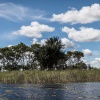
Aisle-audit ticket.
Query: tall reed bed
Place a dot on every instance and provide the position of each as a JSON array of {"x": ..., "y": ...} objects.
[{"x": 49, "y": 77}]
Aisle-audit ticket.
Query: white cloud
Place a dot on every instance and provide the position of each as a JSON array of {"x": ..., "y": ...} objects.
[
  {"x": 97, "y": 59},
  {"x": 95, "y": 62},
  {"x": 15, "y": 12},
  {"x": 9, "y": 45},
  {"x": 87, "y": 52},
  {"x": 82, "y": 35},
  {"x": 34, "y": 30},
  {"x": 43, "y": 41},
  {"x": 86, "y": 14},
  {"x": 35, "y": 41},
  {"x": 67, "y": 43}
]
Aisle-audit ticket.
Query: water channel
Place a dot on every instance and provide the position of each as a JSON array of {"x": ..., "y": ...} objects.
[{"x": 70, "y": 91}]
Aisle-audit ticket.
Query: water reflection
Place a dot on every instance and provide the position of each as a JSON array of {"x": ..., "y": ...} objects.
[
  {"x": 53, "y": 92},
  {"x": 92, "y": 91},
  {"x": 73, "y": 91}
]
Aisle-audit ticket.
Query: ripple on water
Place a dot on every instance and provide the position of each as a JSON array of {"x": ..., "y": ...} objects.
[{"x": 74, "y": 91}]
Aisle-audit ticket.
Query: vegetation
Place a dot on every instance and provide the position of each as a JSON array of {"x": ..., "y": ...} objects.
[
  {"x": 49, "y": 77},
  {"x": 62, "y": 67},
  {"x": 45, "y": 57}
]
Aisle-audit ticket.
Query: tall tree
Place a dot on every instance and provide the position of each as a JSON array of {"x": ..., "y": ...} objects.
[
  {"x": 74, "y": 57},
  {"x": 69, "y": 56},
  {"x": 78, "y": 55},
  {"x": 20, "y": 52},
  {"x": 49, "y": 54},
  {"x": 33, "y": 59}
]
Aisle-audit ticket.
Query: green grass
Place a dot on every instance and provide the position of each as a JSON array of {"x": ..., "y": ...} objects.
[{"x": 49, "y": 77}]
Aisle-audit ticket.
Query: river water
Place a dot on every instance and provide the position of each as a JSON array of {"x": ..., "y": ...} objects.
[{"x": 72, "y": 91}]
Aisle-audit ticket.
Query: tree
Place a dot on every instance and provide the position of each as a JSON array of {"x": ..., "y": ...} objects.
[
  {"x": 4, "y": 54},
  {"x": 69, "y": 57},
  {"x": 42, "y": 57},
  {"x": 20, "y": 52},
  {"x": 35, "y": 56},
  {"x": 49, "y": 54},
  {"x": 80, "y": 65},
  {"x": 77, "y": 55},
  {"x": 73, "y": 58}
]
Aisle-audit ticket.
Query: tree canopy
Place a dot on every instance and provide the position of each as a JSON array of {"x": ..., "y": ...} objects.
[{"x": 49, "y": 56}]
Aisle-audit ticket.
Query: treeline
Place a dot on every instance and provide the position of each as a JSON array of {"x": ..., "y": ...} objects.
[{"x": 45, "y": 57}]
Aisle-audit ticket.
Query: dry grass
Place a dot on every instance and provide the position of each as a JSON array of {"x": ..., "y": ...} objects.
[{"x": 54, "y": 77}]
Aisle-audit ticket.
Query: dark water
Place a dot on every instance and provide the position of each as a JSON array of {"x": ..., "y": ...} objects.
[{"x": 73, "y": 91}]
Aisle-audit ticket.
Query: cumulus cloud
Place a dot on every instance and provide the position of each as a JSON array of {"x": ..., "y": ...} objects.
[
  {"x": 86, "y": 14},
  {"x": 87, "y": 52},
  {"x": 97, "y": 59},
  {"x": 67, "y": 43},
  {"x": 42, "y": 42},
  {"x": 84, "y": 34},
  {"x": 35, "y": 41},
  {"x": 95, "y": 62},
  {"x": 34, "y": 30},
  {"x": 9, "y": 45},
  {"x": 15, "y": 12}
]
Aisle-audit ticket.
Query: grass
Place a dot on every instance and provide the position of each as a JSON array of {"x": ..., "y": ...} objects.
[{"x": 49, "y": 77}]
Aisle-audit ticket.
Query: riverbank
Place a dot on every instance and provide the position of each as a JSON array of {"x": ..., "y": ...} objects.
[{"x": 49, "y": 77}]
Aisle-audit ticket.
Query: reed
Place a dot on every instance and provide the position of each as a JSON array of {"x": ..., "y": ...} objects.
[{"x": 49, "y": 77}]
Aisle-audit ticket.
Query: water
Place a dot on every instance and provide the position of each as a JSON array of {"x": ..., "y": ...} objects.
[{"x": 73, "y": 91}]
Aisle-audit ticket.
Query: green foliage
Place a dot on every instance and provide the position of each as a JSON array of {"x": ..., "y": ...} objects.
[
  {"x": 80, "y": 65},
  {"x": 74, "y": 59},
  {"x": 49, "y": 56}
]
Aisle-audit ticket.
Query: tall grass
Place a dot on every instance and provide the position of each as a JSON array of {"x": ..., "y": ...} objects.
[{"x": 49, "y": 77}]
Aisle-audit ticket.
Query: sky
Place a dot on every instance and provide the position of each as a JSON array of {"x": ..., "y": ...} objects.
[{"x": 75, "y": 22}]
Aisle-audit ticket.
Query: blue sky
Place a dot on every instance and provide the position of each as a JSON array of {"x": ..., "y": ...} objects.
[{"x": 75, "y": 22}]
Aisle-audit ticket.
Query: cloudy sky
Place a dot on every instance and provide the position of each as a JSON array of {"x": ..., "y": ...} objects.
[{"x": 75, "y": 22}]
